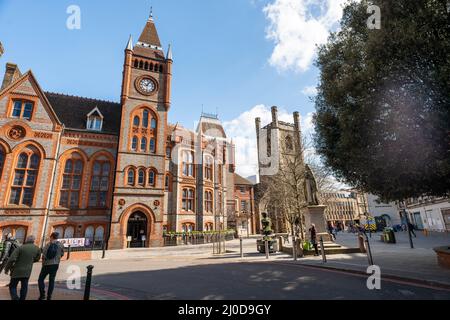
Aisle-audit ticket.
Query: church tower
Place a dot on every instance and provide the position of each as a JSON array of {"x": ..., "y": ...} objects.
[{"x": 138, "y": 206}]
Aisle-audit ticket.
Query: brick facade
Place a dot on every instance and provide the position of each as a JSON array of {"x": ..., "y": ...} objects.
[{"x": 125, "y": 179}]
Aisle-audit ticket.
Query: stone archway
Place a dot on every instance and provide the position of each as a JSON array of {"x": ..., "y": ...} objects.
[{"x": 137, "y": 229}]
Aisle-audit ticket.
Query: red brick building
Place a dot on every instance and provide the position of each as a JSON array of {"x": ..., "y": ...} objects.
[
  {"x": 244, "y": 218},
  {"x": 104, "y": 170}
]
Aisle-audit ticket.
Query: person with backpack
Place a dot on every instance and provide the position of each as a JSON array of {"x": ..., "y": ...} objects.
[
  {"x": 51, "y": 257},
  {"x": 20, "y": 265},
  {"x": 10, "y": 244}
]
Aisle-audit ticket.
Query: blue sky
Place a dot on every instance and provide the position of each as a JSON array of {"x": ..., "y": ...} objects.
[{"x": 229, "y": 55}]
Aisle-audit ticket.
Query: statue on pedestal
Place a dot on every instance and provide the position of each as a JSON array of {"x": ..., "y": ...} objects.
[{"x": 310, "y": 185}]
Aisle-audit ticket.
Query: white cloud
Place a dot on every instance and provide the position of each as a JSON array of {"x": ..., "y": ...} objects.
[
  {"x": 296, "y": 27},
  {"x": 243, "y": 132},
  {"x": 309, "y": 91}
]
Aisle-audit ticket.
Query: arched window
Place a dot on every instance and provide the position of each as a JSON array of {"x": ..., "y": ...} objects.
[
  {"x": 99, "y": 233},
  {"x": 18, "y": 232},
  {"x": 136, "y": 63},
  {"x": 25, "y": 175},
  {"x": 153, "y": 123},
  {"x": 188, "y": 227},
  {"x": 209, "y": 226},
  {"x": 160, "y": 68},
  {"x": 145, "y": 119},
  {"x": 134, "y": 143},
  {"x": 188, "y": 200},
  {"x": 208, "y": 168},
  {"x": 141, "y": 177},
  {"x": 156, "y": 67},
  {"x": 152, "y": 145},
  {"x": 141, "y": 64},
  {"x": 69, "y": 232},
  {"x": 2, "y": 160},
  {"x": 89, "y": 232},
  {"x": 71, "y": 182},
  {"x": 136, "y": 121},
  {"x": 151, "y": 66},
  {"x": 208, "y": 201},
  {"x": 152, "y": 178},
  {"x": 146, "y": 65},
  {"x": 100, "y": 181},
  {"x": 188, "y": 163},
  {"x": 168, "y": 152},
  {"x": 130, "y": 177},
  {"x": 144, "y": 144}
]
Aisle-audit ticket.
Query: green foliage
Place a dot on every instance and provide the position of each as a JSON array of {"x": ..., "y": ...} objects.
[{"x": 383, "y": 105}]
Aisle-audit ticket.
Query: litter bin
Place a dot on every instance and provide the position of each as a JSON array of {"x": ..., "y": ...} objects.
[{"x": 389, "y": 235}]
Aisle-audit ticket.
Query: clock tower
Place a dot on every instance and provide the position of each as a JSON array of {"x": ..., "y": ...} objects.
[{"x": 138, "y": 206}]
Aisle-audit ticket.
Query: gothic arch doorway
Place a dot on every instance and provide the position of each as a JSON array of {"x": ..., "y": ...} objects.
[{"x": 137, "y": 229}]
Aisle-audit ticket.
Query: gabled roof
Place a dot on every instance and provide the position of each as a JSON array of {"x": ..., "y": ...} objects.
[
  {"x": 97, "y": 111},
  {"x": 40, "y": 93},
  {"x": 241, "y": 181},
  {"x": 73, "y": 111}
]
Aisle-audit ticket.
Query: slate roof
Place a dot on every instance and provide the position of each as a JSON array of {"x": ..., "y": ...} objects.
[
  {"x": 73, "y": 111},
  {"x": 239, "y": 180},
  {"x": 149, "y": 35}
]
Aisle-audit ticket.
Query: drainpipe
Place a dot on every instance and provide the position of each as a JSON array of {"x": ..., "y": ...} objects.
[
  {"x": 52, "y": 183},
  {"x": 108, "y": 234}
]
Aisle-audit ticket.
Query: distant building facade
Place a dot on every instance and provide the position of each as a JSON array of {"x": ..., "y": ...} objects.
[
  {"x": 244, "y": 219},
  {"x": 431, "y": 213},
  {"x": 344, "y": 207},
  {"x": 388, "y": 211}
]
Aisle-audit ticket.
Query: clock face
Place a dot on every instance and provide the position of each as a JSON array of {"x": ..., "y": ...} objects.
[{"x": 147, "y": 85}]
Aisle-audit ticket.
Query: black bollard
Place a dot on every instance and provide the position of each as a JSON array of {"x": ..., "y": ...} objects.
[
  {"x": 369, "y": 252},
  {"x": 240, "y": 244},
  {"x": 87, "y": 286},
  {"x": 68, "y": 252},
  {"x": 104, "y": 250},
  {"x": 322, "y": 249}
]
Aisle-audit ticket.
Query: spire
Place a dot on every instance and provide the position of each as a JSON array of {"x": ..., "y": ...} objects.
[
  {"x": 169, "y": 53},
  {"x": 149, "y": 37},
  {"x": 130, "y": 43}
]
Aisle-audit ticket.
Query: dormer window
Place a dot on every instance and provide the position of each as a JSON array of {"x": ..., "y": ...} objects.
[{"x": 94, "y": 120}]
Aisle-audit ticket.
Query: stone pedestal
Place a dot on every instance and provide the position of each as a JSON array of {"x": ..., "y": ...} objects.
[{"x": 316, "y": 215}]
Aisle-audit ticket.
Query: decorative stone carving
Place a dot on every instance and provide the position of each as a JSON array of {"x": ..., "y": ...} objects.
[
  {"x": 311, "y": 190},
  {"x": 17, "y": 133}
]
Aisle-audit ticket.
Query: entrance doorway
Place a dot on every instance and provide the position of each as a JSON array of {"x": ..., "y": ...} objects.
[{"x": 137, "y": 230}]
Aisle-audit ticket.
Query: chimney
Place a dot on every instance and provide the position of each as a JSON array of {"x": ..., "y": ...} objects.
[
  {"x": 274, "y": 117},
  {"x": 12, "y": 73}
]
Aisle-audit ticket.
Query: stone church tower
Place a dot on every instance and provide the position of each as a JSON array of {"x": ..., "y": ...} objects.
[
  {"x": 141, "y": 161},
  {"x": 276, "y": 140}
]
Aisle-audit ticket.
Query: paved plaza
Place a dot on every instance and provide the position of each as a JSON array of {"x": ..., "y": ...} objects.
[{"x": 193, "y": 272}]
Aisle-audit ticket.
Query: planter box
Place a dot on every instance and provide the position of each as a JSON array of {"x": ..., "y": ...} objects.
[{"x": 443, "y": 255}]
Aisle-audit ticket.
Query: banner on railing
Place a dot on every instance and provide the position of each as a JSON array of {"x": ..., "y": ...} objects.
[{"x": 74, "y": 242}]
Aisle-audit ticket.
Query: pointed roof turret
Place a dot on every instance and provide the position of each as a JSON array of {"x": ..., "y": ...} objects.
[
  {"x": 149, "y": 37},
  {"x": 130, "y": 43},
  {"x": 169, "y": 53}
]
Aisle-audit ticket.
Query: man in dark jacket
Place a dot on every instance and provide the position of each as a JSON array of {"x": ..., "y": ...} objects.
[
  {"x": 411, "y": 229},
  {"x": 313, "y": 235},
  {"x": 51, "y": 257},
  {"x": 21, "y": 264}
]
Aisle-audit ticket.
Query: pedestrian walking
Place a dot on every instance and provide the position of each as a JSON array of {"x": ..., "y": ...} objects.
[
  {"x": 313, "y": 236},
  {"x": 411, "y": 229},
  {"x": 331, "y": 231},
  {"x": 20, "y": 265},
  {"x": 51, "y": 257},
  {"x": 9, "y": 245}
]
